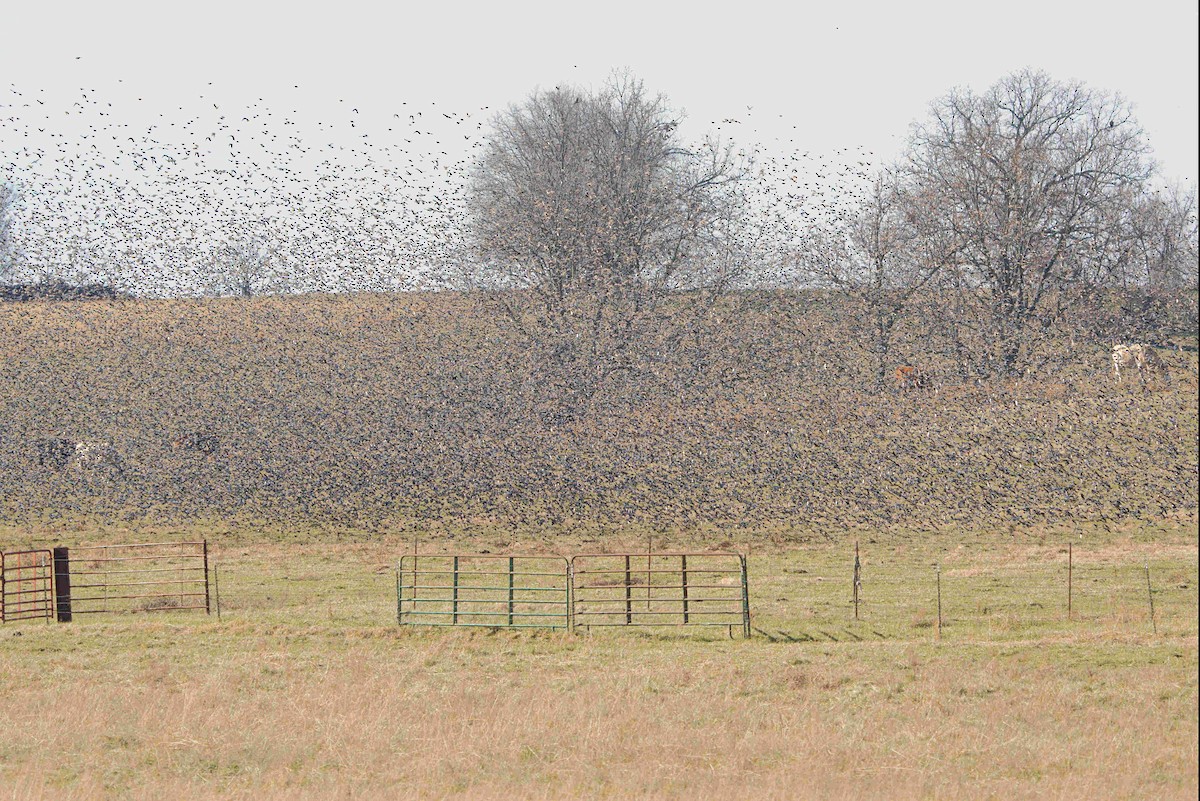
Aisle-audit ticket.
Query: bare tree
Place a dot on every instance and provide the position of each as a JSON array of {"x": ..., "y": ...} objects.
[
  {"x": 591, "y": 218},
  {"x": 8, "y": 205},
  {"x": 1027, "y": 180},
  {"x": 878, "y": 256},
  {"x": 247, "y": 262},
  {"x": 1167, "y": 256}
]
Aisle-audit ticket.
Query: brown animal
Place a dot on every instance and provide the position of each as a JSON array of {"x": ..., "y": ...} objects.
[
  {"x": 909, "y": 377},
  {"x": 54, "y": 452},
  {"x": 1142, "y": 356}
]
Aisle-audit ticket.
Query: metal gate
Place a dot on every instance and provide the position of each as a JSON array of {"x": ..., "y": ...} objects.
[
  {"x": 483, "y": 590},
  {"x": 660, "y": 589},
  {"x": 149, "y": 577},
  {"x": 26, "y": 585}
]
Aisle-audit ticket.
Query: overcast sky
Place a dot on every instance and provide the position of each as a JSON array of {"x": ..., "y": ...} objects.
[{"x": 852, "y": 76}]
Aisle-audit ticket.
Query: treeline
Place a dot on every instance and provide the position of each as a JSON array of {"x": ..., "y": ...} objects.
[
  {"x": 1015, "y": 215},
  {"x": 1012, "y": 212},
  {"x": 60, "y": 289}
]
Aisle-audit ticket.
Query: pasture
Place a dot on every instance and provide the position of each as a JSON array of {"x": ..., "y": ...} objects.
[{"x": 306, "y": 687}]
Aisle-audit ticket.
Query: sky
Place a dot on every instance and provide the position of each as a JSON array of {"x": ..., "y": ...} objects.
[
  {"x": 368, "y": 86},
  {"x": 854, "y": 76}
]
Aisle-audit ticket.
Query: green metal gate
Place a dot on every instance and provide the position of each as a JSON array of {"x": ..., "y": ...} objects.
[
  {"x": 483, "y": 590},
  {"x": 660, "y": 589}
]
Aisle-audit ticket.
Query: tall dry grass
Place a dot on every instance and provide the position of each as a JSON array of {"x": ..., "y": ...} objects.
[{"x": 523, "y": 717}]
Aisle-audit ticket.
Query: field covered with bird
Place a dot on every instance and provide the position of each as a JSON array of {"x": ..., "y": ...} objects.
[{"x": 388, "y": 411}]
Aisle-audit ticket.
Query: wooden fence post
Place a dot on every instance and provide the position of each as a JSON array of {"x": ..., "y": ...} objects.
[
  {"x": 857, "y": 578},
  {"x": 62, "y": 584}
]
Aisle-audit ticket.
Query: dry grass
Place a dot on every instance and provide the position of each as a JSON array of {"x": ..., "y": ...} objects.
[
  {"x": 304, "y": 691},
  {"x": 314, "y": 713}
]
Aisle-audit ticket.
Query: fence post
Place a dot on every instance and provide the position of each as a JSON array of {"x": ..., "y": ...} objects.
[
  {"x": 510, "y": 591},
  {"x": 683, "y": 570},
  {"x": 62, "y": 584},
  {"x": 207, "y": 600},
  {"x": 1070, "y": 570},
  {"x": 857, "y": 578},
  {"x": 415, "y": 593},
  {"x": 399, "y": 608},
  {"x": 217, "y": 586},
  {"x": 745, "y": 598},
  {"x": 628, "y": 594},
  {"x": 569, "y": 592},
  {"x": 1150, "y": 595},
  {"x": 938, "y": 571},
  {"x": 649, "y": 549},
  {"x": 454, "y": 602}
]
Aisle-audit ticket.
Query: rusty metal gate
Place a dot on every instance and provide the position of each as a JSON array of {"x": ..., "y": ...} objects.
[
  {"x": 483, "y": 590},
  {"x": 150, "y": 577},
  {"x": 26, "y": 585},
  {"x": 660, "y": 589}
]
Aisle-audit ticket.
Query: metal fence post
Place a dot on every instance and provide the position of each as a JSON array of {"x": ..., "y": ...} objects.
[
  {"x": 745, "y": 597},
  {"x": 207, "y": 600},
  {"x": 62, "y": 584},
  {"x": 938, "y": 571},
  {"x": 569, "y": 591},
  {"x": 454, "y": 602},
  {"x": 1070, "y": 570},
  {"x": 628, "y": 593},
  {"x": 1150, "y": 594},
  {"x": 649, "y": 549},
  {"x": 683, "y": 570},
  {"x": 510, "y": 591}
]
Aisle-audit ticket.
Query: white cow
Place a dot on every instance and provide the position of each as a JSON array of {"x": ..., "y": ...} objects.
[{"x": 94, "y": 455}]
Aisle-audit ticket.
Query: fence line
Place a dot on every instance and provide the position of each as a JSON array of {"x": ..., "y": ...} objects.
[{"x": 885, "y": 592}]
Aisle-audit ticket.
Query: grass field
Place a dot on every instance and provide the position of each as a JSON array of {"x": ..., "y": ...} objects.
[{"x": 306, "y": 688}]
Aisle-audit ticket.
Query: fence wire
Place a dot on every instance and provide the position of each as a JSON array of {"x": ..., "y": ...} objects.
[{"x": 812, "y": 590}]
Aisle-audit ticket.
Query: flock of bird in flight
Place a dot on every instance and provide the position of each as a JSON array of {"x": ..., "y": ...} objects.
[{"x": 203, "y": 198}]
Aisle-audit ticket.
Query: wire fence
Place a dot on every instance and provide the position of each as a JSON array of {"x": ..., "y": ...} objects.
[
  {"x": 804, "y": 593},
  {"x": 975, "y": 591}
]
